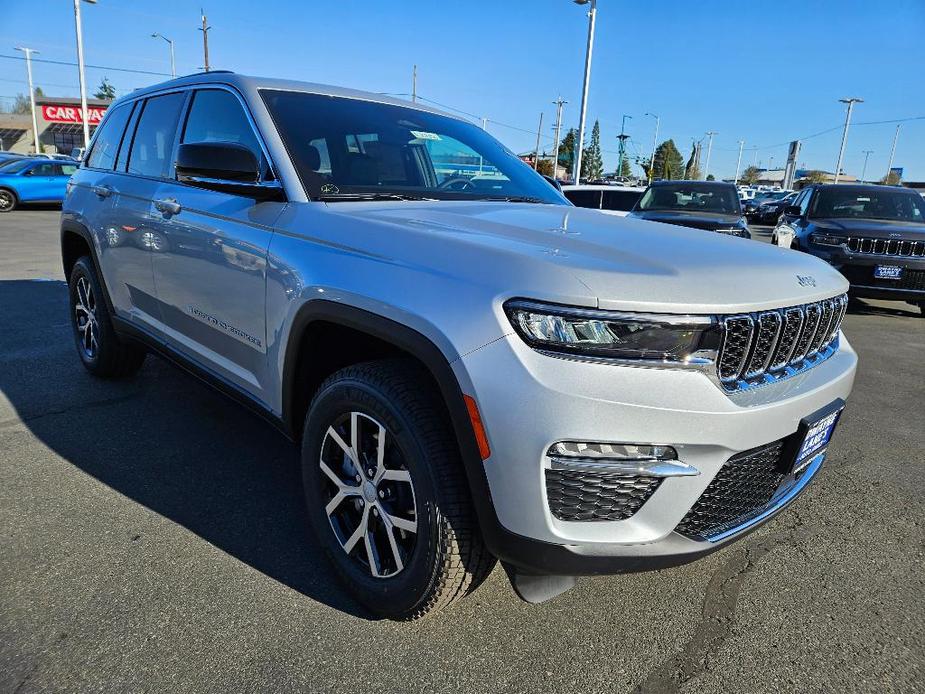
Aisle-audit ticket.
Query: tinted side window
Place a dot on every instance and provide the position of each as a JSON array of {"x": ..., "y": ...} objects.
[
  {"x": 66, "y": 169},
  {"x": 44, "y": 170},
  {"x": 585, "y": 198},
  {"x": 622, "y": 200},
  {"x": 152, "y": 145},
  {"x": 217, "y": 116},
  {"x": 804, "y": 203},
  {"x": 103, "y": 154}
]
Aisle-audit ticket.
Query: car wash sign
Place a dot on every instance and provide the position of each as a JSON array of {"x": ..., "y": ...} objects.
[{"x": 66, "y": 113}]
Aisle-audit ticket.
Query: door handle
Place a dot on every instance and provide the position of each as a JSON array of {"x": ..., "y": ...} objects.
[
  {"x": 102, "y": 191},
  {"x": 168, "y": 206}
]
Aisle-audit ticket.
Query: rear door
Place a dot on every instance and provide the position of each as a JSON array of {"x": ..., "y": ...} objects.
[{"x": 211, "y": 273}]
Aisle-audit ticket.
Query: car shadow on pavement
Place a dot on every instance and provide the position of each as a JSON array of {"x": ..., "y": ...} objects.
[
  {"x": 859, "y": 307},
  {"x": 165, "y": 441}
]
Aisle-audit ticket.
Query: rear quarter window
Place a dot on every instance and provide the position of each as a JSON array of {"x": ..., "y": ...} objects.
[{"x": 106, "y": 147}]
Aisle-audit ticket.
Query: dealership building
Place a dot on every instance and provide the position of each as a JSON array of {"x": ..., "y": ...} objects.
[{"x": 60, "y": 125}]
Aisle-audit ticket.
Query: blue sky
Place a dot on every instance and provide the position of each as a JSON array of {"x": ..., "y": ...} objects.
[{"x": 759, "y": 71}]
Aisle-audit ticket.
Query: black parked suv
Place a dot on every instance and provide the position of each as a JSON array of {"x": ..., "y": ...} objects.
[
  {"x": 708, "y": 205},
  {"x": 874, "y": 235}
]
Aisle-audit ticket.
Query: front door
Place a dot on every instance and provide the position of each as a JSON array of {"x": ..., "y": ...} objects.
[{"x": 211, "y": 272}]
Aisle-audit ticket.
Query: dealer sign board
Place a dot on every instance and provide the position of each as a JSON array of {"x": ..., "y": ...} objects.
[{"x": 61, "y": 113}]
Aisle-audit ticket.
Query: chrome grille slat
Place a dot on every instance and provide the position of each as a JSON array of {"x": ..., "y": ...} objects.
[
  {"x": 891, "y": 247},
  {"x": 825, "y": 320},
  {"x": 768, "y": 328},
  {"x": 759, "y": 348},
  {"x": 793, "y": 322},
  {"x": 737, "y": 340}
]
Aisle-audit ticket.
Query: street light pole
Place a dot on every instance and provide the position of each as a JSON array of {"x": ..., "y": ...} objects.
[
  {"x": 80, "y": 70},
  {"x": 205, "y": 39},
  {"x": 889, "y": 167},
  {"x": 560, "y": 102},
  {"x": 654, "y": 145},
  {"x": 739, "y": 161},
  {"x": 592, "y": 15},
  {"x": 536, "y": 152},
  {"x": 414, "y": 84},
  {"x": 851, "y": 101},
  {"x": 706, "y": 167},
  {"x": 35, "y": 125},
  {"x": 867, "y": 153},
  {"x": 173, "y": 65}
]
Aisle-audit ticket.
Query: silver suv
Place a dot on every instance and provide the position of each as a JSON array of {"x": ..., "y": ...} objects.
[{"x": 474, "y": 368}]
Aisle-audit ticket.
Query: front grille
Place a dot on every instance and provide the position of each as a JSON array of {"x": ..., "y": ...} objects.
[
  {"x": 763, "y": 347},
  {"x": 897, "y": 247},
  {"x": 580, "y": 495},
  {"x": 741, "y": 490}
]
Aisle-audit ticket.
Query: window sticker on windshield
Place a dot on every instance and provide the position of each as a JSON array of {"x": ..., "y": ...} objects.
[
  {"x": 863, "y": 199},
  {"x": 422, "y": 135}
]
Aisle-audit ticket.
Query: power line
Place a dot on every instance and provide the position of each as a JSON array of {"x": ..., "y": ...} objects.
[{"x": 94, "y": 67}]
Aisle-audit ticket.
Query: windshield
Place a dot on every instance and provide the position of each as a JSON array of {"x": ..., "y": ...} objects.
[
  {"x": 348, "y": 149},
  {"x": 14, "y": 165},
  {"x": 691, "y": 197},
  {"x": 869, "y": 203}
]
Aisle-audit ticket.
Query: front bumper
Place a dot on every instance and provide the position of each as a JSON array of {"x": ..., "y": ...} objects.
[
  {"x": 858, "y": 269},
  {"x": 542, "y": 399}
]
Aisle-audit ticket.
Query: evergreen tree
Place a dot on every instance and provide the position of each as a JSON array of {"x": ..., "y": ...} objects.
[
  {"x": 592, "y": 163},
  {"x": 626, "y": 170},
  {"x": 105, "y": 90},
  {"x": 692, "y": 170},
  {"x": 567, "y": 150},
  {"x": 669, "y": 164},
  {"x": 891, "y": 179}
]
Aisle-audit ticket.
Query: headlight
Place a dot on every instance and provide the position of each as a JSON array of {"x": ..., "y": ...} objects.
[
  {"x": 827, "y": 240},
  {"x": 652, "y": 338}
]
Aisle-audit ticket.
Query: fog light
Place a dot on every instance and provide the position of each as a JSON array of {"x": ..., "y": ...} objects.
[
  {"x": 632, "y": 459},
  {"x": 611, "y": 451}
]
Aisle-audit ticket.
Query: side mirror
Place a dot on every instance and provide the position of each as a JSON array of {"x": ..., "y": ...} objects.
[
  {"x": 793, "y": 211},
  {"x": 225, "y": 167},
  {"x": 219, "y": 161}
]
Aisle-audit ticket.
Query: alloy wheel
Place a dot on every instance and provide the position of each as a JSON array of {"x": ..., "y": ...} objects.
[
  {"x": 6, "y": 201},
  {"x": 370, "y": 495},
  {"x": 87, "y": 324}
]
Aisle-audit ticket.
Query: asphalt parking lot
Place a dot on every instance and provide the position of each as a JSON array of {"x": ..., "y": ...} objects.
[{"x": 151, "y": 539}]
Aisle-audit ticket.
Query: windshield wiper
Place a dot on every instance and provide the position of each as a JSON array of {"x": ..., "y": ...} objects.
[
  {"x": 514, "y": 198},
  {"x": 348, "y": 197}
]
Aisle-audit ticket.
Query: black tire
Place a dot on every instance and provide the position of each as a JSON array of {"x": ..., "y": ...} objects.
[
  {"x": 8, "y": 200},
  {"x": 100, "y": 349},
  {"x": 448, "y": 558}
]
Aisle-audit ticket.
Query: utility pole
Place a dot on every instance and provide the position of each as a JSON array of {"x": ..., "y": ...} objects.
[
  {"x": 851, "y": 101},
  {"x": 35, "y": 125},
  {"x": 414, "y": 84},
  {"x": 536, "y": 152},
  {"x": 622, "y": 139},
  {"x": 80, "y": 71},
  {"x": 706, "y": 168},
  {"x": 889, "y": 167},
  {"x": 205, "y": 39},
  {"x": 654, "y": 145},
  {"x": 739, "y": 161},
  {"x": 867, "y": 153},
  {"x": 592, "y": 15},
  {"x": 755, "y": 163},
  {"x": 560, "y": 102}
]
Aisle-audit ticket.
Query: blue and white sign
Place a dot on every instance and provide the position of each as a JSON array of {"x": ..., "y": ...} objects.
[{"x": 888, "y": 272}]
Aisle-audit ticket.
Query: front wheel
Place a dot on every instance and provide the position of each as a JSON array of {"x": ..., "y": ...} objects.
[{"x": 386, "y": 491}]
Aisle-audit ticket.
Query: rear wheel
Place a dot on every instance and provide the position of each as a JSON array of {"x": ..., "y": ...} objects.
[
  {"x": 8, "y": 200},
  {"x": 100, "y": 349},
  {"x": 387, "y": 495}
]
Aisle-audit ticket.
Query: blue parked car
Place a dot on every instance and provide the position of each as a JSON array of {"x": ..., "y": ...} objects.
[{"x": 33, "y": 180}]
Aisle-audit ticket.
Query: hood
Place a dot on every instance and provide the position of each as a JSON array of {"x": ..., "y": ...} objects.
[
  {"x": 872, "y": 228},
  {"x": 696, "y": 220},
  {"x": 531, "y": 250}
]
